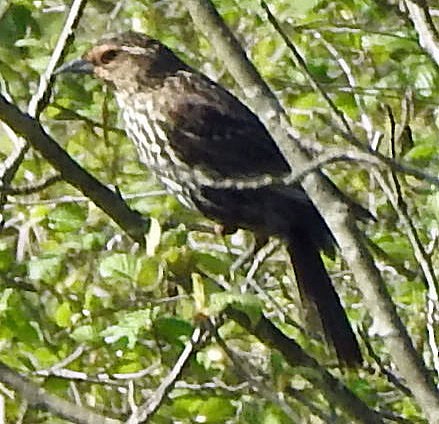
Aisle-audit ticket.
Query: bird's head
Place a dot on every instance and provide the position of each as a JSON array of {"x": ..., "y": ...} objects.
[{"x": 128, "y": 60}]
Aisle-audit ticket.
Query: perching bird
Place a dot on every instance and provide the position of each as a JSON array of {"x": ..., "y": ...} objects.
[{"x": 203, "y": 144}]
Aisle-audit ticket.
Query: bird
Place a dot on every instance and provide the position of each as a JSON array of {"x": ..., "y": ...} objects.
[{"x": 214, "y": 154}]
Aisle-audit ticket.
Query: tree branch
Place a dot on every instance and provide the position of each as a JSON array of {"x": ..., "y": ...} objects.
[
  {"x": 39, "y": 398},
  {"x": 423, "y": 23},
  {"x": 145, "y": 412},
  {"x": 331, "y": 388},
  {"x": 324, "y": 195},
  {"x": 110, "y": 202},
  {"x": 40, "y": 98}
]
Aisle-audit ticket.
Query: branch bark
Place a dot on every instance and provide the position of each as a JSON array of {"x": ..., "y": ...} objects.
[
  {"x": 40, "y": 98},
  {"x": 110, "y": 202},
  {"x": 331, "y": 388},
  {"x": 423, "y": 23},
  {"x": 324, "y": 195},
  {"x": 39, "y": 398},
  {"x": 146, "y": 411}
]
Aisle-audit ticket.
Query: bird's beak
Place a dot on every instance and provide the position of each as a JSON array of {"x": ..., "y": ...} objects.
[{"x": 77, "y": 66}]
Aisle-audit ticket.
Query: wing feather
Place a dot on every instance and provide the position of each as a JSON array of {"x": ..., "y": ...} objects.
[{"x": 214, "y": 131}]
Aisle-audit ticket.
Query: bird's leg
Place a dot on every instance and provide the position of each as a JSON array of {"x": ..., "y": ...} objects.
[{"x": 224, "y": 230}]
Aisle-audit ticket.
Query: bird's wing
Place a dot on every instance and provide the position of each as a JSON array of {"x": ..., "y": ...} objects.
[{"x": 213, "y": 130}]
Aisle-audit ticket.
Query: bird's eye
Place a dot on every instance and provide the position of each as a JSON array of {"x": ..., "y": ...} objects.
[{"x": 108, "y": 56}]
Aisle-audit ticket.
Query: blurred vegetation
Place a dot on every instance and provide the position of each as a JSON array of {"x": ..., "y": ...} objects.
[{"x": 94, "y": 287}]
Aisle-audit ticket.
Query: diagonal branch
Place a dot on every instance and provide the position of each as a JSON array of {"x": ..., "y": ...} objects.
[
  {"x": 40, "y": 98},
  {"x": 335, "y": 212},
  {"x": 146, "y": 411},
  {"x": 331, "y": 388},
  {"x": 37, "y": 397},
  {"x": 110, "y": 202},
  {"x": 424, "y": 26}
]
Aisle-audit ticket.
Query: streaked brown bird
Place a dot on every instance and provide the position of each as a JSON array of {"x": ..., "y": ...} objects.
[{"x": 203, "y": 144}]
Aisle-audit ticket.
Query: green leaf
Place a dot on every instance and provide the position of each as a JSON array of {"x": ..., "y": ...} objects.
[
  {"x": 148, "y": 273},
  {"x": 118, "y": 265},
  {"x": 129, "y": 327},
  {"x": 216, "y": 410},
  {"x": 273, "y": 415},
  {"x": 47, "y": 269},
  {"x": 172, "y": 329},
  {"x": 211, "y": 264},
  {"x": 93, "y": 241},
  {"x": 18, "y": 321},
  {"x": 67, "y": 217},
  {"x": 129, "y": 367},
  {"x": 45, "y": 357},
  {"x": 6, "y": 260},
  {"x": 13, "y": 24},
  {"x": 424, "y": 151},
  {"x": 4, "y": 299},
  {"x": 211, "y": 410},
  {"x": 63, "y": 315},
  {"x": 433, "y": 204},
  {"x": 84, "y": 333},
  {"x": 396, "y": 246}
]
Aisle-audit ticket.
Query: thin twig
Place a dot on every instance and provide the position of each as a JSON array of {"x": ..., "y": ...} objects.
[
  {"x": 243, "y": 367},
  {"x": 79, "y": 199},
  {"x": 144, "y": 412},
  {"x": 399, "y": 205},
  {"x": 40, "y": 99},
  {"x": 72, "y": 114},
  {"x": 115, "y": 379},
  {"x": 300, "y": 61},
  {"x": 383, "y": 369},
  {"x": 63, "y": 363},
  {"x": 33, "y": 188},
  {"x": 396, "y": 166},
  {"x": 333, "y": 389},
  {"x": 424, "y": 260}
]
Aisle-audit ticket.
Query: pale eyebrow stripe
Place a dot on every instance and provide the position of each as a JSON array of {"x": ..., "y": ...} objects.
[{"x": 134, "y": 50}]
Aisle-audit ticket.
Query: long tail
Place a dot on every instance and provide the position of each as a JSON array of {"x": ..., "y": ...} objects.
[{"x": 315, "y": 284}]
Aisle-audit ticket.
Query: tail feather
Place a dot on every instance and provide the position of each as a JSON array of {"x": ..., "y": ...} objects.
[{"x": 315, "y": 284}]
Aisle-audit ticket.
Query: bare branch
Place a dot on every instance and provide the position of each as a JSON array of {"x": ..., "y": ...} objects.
[
  {"x": 145, "y": 412},
  {"x": 302, "y": 64},
  {"x": 33, "y": 188},
  {"x": 79, "y": 199},
  {"x": 331, "y": 388},
  {"x": 40, "y": 98},
  {"x": 423, "y": 23},
  {"x": 112, "y": 204},
  {"x": 244, "y": 368},
  {"x": 399, "y": 205},
  {"x": 37, "y": 397},
  {"x": 383, "y": 369},
  {"x": 61, "y": 364}
]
